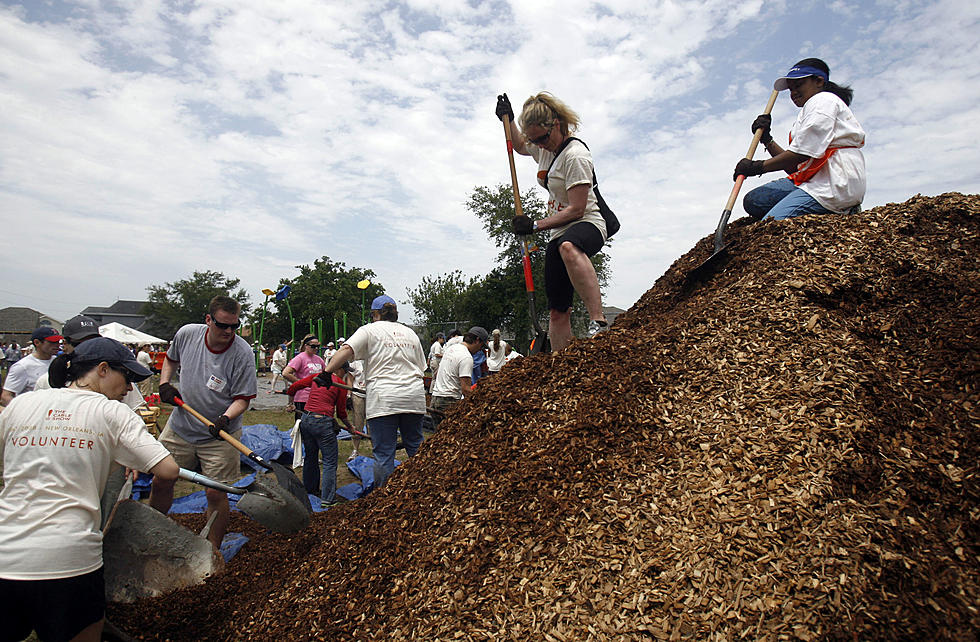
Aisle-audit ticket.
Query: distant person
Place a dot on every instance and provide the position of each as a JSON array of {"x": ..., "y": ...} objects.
[
  {"x": 306, "y": 363},
  {"x": 358, "y": 418},
  {"x": 578, "y": 229},
  {"x": 510, "y": 354},
  {"x": 24, "y": 374},
  {"x": 57, "y": 446},
  {"x": 454, "y": 381},
  {"x": 455, "y": 336},
  {"x": 496, "y": 353},
  {"x": 145, "y": 359},
  {"x": 435, "y": 353},
  {"x": 824, "y": 159},
  {"x": 217, "y": 378},
  {"x": 394, "y": 365},
  {"x": 329, "y": 352},
  {"x": 279, "y": 361}
]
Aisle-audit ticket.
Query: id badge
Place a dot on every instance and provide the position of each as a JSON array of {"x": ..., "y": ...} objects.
[{"x": 216, "y": 384}]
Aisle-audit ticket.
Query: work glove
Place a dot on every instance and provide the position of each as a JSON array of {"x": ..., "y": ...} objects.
[
  {"x": 221, "y": 423},
  {"x": 522, "y": 225},
  {"x": 324, "y": 380},
  {"x": 168, "y": 393},
  {"x": 504, "y": 108},
  {"x": 747, "y": 167},
  {"x": 763, "y": 122}
]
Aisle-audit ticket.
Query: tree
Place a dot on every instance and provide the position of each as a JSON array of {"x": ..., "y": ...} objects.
[
  {"x": 325, "y": 290},
  {"x": 439, "y": 301},
  {"x": 172, "y": 305}
]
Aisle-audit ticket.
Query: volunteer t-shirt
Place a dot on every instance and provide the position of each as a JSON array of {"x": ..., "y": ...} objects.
[
  {"x": 394, "y": 364},
  {"x": 357, "y": 370},
  {"x": 453, "y": 341},
  {"x": 133, "y": 398},
  {"x": 209, "y": 381},
  {"x": 825, "y": 121},
  {"x": 456, "y": 362},
  {"x": 435, "y": 355},
  {"x": 305, "y": 365},
  {"x": 572, "y": 167},
  {"x": 24, "y": 374},
  {"x": 57, "y": 447},
  {"x": 496, "y": 358},
  {"x": 278, "y": 360}
]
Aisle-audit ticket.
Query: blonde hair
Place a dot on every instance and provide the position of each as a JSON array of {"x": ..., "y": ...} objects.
[{"x": 543, "y": 109}]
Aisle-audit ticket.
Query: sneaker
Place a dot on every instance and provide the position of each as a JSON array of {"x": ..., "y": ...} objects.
[
  {"x": 353, "y": 454},
  {"x": 595, "y": 327}
]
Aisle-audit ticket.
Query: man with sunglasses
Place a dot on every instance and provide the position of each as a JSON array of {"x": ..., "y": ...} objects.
[{"x": 217, "y": 378}]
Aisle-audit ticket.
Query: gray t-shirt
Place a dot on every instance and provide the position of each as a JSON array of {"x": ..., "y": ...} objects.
[{"x": 209, "y": 381}]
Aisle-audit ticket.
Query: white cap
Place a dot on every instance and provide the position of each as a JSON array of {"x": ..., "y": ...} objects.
[
  {"x": 341, "y": 339},
  {"x": 330, "y": 343}
]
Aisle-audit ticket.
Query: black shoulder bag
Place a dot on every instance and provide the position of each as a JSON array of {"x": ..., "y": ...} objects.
[{"x": 612, "y": 223}]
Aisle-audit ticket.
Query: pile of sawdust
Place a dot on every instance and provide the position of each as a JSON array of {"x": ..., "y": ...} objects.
[{"x": 787, "y": 450}]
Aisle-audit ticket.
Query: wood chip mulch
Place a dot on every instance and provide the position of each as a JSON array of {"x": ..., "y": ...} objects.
[{"x": 786, "y": 451}]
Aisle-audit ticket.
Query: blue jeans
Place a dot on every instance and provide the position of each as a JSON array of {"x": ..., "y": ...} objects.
[
  {"x": 780, "y": 199},
  {"x": 319, "y": 437},
  {"x": 384, "y": 438}
]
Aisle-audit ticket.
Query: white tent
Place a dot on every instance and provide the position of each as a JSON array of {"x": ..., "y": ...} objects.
[{"x": 125, "y": 334}]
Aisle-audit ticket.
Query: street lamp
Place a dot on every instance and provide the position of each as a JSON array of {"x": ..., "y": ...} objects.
[{"x": 363, "y": 286}]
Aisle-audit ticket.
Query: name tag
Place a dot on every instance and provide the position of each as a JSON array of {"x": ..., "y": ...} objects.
[{"x": 216, "y": 384}]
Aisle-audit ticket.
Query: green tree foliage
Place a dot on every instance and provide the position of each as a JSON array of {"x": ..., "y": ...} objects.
[
  {"x": 499, "y": 299},
  {"x": 324, "y": 290},
  {"x": 172, "y": 305}
]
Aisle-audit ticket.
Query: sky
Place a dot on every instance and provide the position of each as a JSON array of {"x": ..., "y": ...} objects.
[{"x": 142, "y": 141}]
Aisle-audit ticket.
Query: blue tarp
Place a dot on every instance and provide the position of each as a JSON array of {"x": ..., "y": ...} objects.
[
  {"x": 268, "y": 442},
  {"x": 363, "y": 468}
]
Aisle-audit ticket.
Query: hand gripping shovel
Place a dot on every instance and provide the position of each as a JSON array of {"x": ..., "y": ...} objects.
[
  {"x": 704, "y": 270},
  {"x": 267, "y": 504},
  {"x": 289, "y": 489},
  {"x": 540, "y": 341}
]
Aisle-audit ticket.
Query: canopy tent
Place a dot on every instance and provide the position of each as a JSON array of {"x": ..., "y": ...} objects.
[{"x": 125, "y": 334}]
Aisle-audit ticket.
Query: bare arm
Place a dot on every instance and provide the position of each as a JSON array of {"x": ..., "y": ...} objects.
[
  {"x": 289, "y": 374},
  {"x": 466, "y": 385},
  {"x": 578, "y": 197},
  {"x": 167, "y": 370},
  {"x": 339, "y": 358},
  {"x": 237, "y": 407},
  {"x": 6, "y": 397}
]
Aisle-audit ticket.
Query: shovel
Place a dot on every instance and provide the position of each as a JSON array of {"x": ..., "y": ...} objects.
[
  {"x": 704, "y": 270},
  {"x": 295, "y": 491},
  {"x": 540, "y": 341},
  {"x": 268, "y": 504}
]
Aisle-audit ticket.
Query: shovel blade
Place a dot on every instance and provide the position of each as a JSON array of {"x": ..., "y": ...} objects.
[
  {"x": 147, "y": 554},
  {"x": 288, "y": 480},
  {"x": 273, "y": 506}
]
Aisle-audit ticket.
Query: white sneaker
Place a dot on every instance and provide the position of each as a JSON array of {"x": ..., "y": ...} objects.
[
  {"x": 353, "y": 454},
  {"x": 595, "y": 327}
]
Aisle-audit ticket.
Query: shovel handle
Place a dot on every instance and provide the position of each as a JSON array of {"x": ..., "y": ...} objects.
[
  {"x": 239, "y": 446},
  {"x": 198, "y": 478},
  {"x": 749, "y": 154},
  {"x": 518, "y": 210},
  {"x": 346, "y": 387}
]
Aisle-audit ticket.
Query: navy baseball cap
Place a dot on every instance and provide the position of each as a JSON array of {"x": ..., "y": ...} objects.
[
  {"x": 80, "y": 327},
  {"x": 45, "y": 333},
  {"x": 379, "y": 302},
  {"x": 798, "y": 72},
  {"x": 112, "y": 352}
]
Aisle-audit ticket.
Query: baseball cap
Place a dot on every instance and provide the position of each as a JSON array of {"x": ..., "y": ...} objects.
[
  {"x": 330, "y": 344},
  {"x": 379, "y": 302},
  {"x": 480, "y": 333},
  {"x": 798, "y": 72},
  {"x": 112, "y": 352},
  {"x": 80, "y": 327},
  {"x": 496, "y": 332},
  {"x": 47, "y": 334}
]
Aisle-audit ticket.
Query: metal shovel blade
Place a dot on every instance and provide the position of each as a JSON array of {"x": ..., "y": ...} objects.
[
  {"x": 273, "y": 506},
  {"x": 147, "y": 554}
]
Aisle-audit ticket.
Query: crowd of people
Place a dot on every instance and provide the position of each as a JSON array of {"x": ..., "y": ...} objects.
[{"x": 62, "y": 428}]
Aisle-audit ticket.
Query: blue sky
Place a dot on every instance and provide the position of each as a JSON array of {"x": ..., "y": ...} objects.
[{"x": 142, "y": 141}]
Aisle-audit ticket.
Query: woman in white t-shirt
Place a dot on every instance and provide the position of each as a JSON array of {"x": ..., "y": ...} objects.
[
  {"x": 496, "y": 353},
  {"x": 824, "y": 159},
  {"x": 57, "y": 446},
  {"x": 578, "y": 230}
]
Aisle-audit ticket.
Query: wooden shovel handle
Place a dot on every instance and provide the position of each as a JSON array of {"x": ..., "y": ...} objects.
[
  {"x": 518, "y": 210},
  {"x": 239, "y": 446},
  {"x": 750, "y": 153}
]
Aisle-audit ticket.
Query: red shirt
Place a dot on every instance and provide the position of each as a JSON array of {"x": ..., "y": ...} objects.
[{"x": 322, "y": 401}]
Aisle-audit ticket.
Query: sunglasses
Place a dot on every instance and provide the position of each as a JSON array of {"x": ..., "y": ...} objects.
[
  {"x": 540, "y": 140},
  {"x": 124, "y": 372},
  {"x": 315, "y": 346},
  {"x": 226, "y": 326}
]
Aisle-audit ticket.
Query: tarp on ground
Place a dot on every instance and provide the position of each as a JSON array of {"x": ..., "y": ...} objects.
[
  {"x": 198, "y": 503},
  {"x": 361, "y": 467},
  {"x": 268, "y": 442},
  {"x": 126, "y": 334}
]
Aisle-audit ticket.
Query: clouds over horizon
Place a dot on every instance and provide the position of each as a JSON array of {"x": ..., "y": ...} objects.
[{"x": 165, "y": 137}]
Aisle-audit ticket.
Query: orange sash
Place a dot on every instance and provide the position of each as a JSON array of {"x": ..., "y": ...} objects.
[{"x": 808, "y": 169}]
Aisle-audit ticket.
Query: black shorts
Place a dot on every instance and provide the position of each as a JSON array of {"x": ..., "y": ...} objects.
[
  {"x": 55, "y": 609},
  {"x": 586, "y": 237}
]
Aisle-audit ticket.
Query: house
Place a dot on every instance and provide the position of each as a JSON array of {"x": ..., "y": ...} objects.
[
  {"x": 17, "y": 324},
  {"x": 128, "y": 313}
]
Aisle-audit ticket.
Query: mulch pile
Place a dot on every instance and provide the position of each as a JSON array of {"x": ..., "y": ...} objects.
[{"x": 789, "y": 450}]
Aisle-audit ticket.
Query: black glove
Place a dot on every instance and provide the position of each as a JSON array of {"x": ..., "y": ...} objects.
[
  {"x": 763, "y": 122},
  {"x": 522, "y": 225},
  {"x": 221, "y": 423},
  {"x": 168, "y": 393},
  {"x": 747, "y": 167},
  {"x": 504, "y": 108},
  {"x": 324, "y": 380}
]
